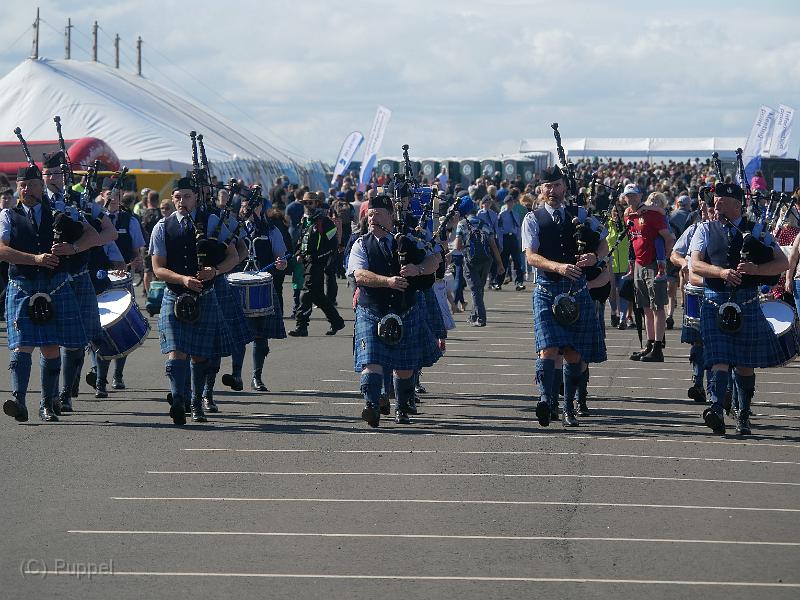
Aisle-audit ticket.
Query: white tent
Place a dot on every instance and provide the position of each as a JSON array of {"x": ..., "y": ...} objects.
[
  {"x": 145, "y": 124},
  {"x": 638, "y": 147}
]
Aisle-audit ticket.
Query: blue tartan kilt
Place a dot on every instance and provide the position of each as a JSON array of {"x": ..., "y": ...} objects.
[
  {"x": 64, "y": 329},
  {"x": 433, "y": 314},
  {"x": 87, "y": 303},
  {"x": 585, "y": 335},
  {"x": 755, "y": 345},
  {"x": 690, "y": 335},
  {"x": 230, "y": 302},
  {"x": 208, "y": 338},
  {"x": 417, "y": 349},
  {"x": 269, "y": 326}
]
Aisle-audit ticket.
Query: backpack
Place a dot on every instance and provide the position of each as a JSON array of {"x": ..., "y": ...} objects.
[{"x": 477, "y": 245}]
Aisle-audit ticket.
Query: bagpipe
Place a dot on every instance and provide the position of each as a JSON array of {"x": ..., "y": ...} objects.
[{"x": 65, "y": 229}]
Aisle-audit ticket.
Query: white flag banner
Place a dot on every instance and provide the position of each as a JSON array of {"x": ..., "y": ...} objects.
[
  {"x": 373, "y": 145},
  {"x": 757, "y": 140},
  {"x": 349, "y": 147},
  {"x": 781, "y": 131}
]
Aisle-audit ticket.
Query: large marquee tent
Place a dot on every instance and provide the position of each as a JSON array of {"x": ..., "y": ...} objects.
[
  {"x": 638, "y": 147},
  {"x": 146, "y": 124}
]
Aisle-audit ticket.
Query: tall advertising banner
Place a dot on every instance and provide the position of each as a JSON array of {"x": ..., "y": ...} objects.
[
  {"x": 781, "y": 132},
  {"x": 373, "y": 145},
  {"x": 349, "y": 147},
  {"x": 757, "y": 140}
]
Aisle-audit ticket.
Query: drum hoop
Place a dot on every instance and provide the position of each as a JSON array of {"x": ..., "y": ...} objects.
[
  {"x": 265, "y": 279},
  {"x": 131, "y": 304}
]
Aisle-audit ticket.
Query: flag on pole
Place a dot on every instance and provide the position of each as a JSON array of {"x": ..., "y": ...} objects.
[
  {"x": 757, "y": 140},
  {"x": 373, "y": 145},
  {"x": 349, "y": 147},
  {"x": 781, "y": 132}
]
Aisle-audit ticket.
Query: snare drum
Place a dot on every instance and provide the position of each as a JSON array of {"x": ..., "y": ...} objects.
[
  {"x": 780, "y": 317},
  {"x": 255, "y": 289},
  {"x": 124, "y": 327},
  {"x": 120, "y": 282},
  {"x": 692, "y": 301}
]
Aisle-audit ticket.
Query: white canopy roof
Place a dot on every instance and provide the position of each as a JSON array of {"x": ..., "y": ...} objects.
[
  {"x": 146, "y": 124},
  {"x": 622, "y": 147}
]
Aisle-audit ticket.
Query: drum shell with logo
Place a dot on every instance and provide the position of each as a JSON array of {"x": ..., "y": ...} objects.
[
  {"x": 781, "y": 318},
  {"x": 124, "y": 327},
  {"x": 256, "y": 291},
  {"x": 692, "y": 302}
]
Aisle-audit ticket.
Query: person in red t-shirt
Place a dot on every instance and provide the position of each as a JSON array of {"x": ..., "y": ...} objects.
[{"x": 647, "y": 227}]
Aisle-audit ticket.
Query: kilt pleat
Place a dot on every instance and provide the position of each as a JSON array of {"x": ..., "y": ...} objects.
[
  {"x": 755, "y": 345},
  {"x": 269, "y": 326},
  {"x": 433, "y": 314},
  {"x": 417, "y": 349},
  {"x": 585, "y": 335},
  {"x": 64, "y": 329},
  {"x": 230, "y": 303},
  {"x": 87, "y": 304},
  {"x": 208, "y": 338}
]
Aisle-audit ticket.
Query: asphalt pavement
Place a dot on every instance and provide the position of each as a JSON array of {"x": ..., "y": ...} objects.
[{"x": 288, "y": 494}]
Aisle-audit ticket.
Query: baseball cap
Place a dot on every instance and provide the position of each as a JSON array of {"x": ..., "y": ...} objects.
[
  {"x": 684, "y": 201},
  {"x": 631, "y": 188}
]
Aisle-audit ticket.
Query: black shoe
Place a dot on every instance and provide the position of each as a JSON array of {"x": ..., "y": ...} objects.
[
  {"x": 65, "y": 401},
  {"x": 622, "y": 326},
  {"x": 117, "y": 383},
  {"x": 46, "y": 414},
  {"x": 743, "y": 424},
  {"x": 583, "y": 410},
  {"x": 187, "y": 407},
  {"x": 420, "y": 389},
  {"x": 696, "y": 393},
  {"x": 258, "y": 385},
  {"x": 714, "y": 421},
  {"x": 638, "y": 355},
  {"x": 198, "y": 416},
  {"x": 371, "y": 415},
  {"x": 101, "y": 390},
  {"x": 543, "y": 413},
  {"x": 11, "y": 408},
  {"x": 209, "y": 405},
  {"x": 554, "y": 413},
  {"x": 656, "y": 355},
  {"x": 728, "y": 402},
  {"x": 385, "y": 405},
  {"x": 334, "y": 328},
  {"x": 91, "y": 378},
  {"x": 569, "y": 420},
  {"x": 614, "y": 320},
  {"x": 22, "y": 414},
  {"x": 177, "y": 414},
  {"x": 670, "y": 322},
  {"x": 299, "y": 332},
  {"x": 55, "y": 406},
  {"x": 235, "y": 383},
  {"x": 520, "y": 287},
  {"x": 74, "y": 390},
  {"x": 411, "y": 409},
  {"x": 401, "y": 417}
]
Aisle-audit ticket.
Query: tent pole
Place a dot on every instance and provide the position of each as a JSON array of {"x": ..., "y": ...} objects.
[
  {"x": 94, "y": 42},
  {"x": 139, "y": 56},
  {"x": 36, "y": 36},
  {"x": 68, "y": 40},
  {"x": 116, "y": 51}
]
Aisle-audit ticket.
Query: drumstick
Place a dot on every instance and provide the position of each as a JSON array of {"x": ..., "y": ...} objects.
[{"x": 272, "y": 264}]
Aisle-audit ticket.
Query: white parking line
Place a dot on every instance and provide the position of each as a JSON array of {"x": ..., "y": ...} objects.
[
  {"x": 116, "y": 573},
  {"x": 495, "y": 452},
  {"x": 428, "y": 536},
  {"x": 477, "y": 475},
  {"x": 449, "y": 502}
]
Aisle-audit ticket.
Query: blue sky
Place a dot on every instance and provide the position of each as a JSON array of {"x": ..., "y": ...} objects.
[{"x": 461, "y": 77}]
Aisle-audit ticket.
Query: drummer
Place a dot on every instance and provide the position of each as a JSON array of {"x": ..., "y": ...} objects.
[
  {"x": 691, "y": 334},
  {"x": 130, "y": 243},
  {"x": 716, "y": 254},
  {"x": 267, "y": 248}
]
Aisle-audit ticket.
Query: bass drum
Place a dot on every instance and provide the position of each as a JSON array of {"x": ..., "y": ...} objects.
[
  {"x": 781, "y": 318},
  {"x": 124, "y": 327}
]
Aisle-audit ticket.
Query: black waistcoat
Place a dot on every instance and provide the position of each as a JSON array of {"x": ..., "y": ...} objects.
[
  {"x": 181, "y": 251},
  {"x": 383, "y": 300},
  {"x": 25, "y": 238}
]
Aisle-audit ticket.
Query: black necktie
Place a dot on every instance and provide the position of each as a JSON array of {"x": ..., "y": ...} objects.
[
  {"x": 734, "y": 247},
  {"x": 32, "y": 217}
]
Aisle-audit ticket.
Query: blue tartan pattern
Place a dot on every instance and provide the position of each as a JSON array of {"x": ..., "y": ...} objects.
[
  {"x": 269, "y": 326},
  {"x": 585, "y": 335},
  {"x": 208, "y": 338},
  {"x": 690, "y": 335},
  {"x": 65, "y": 329},
  {"x": 230, "y": 303},
  {"x": 755, "y": 345},
  {"x": 433, "y": 314},
  {"x": 417, "y": 349},
  {"x": 87, "y": 304}
]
